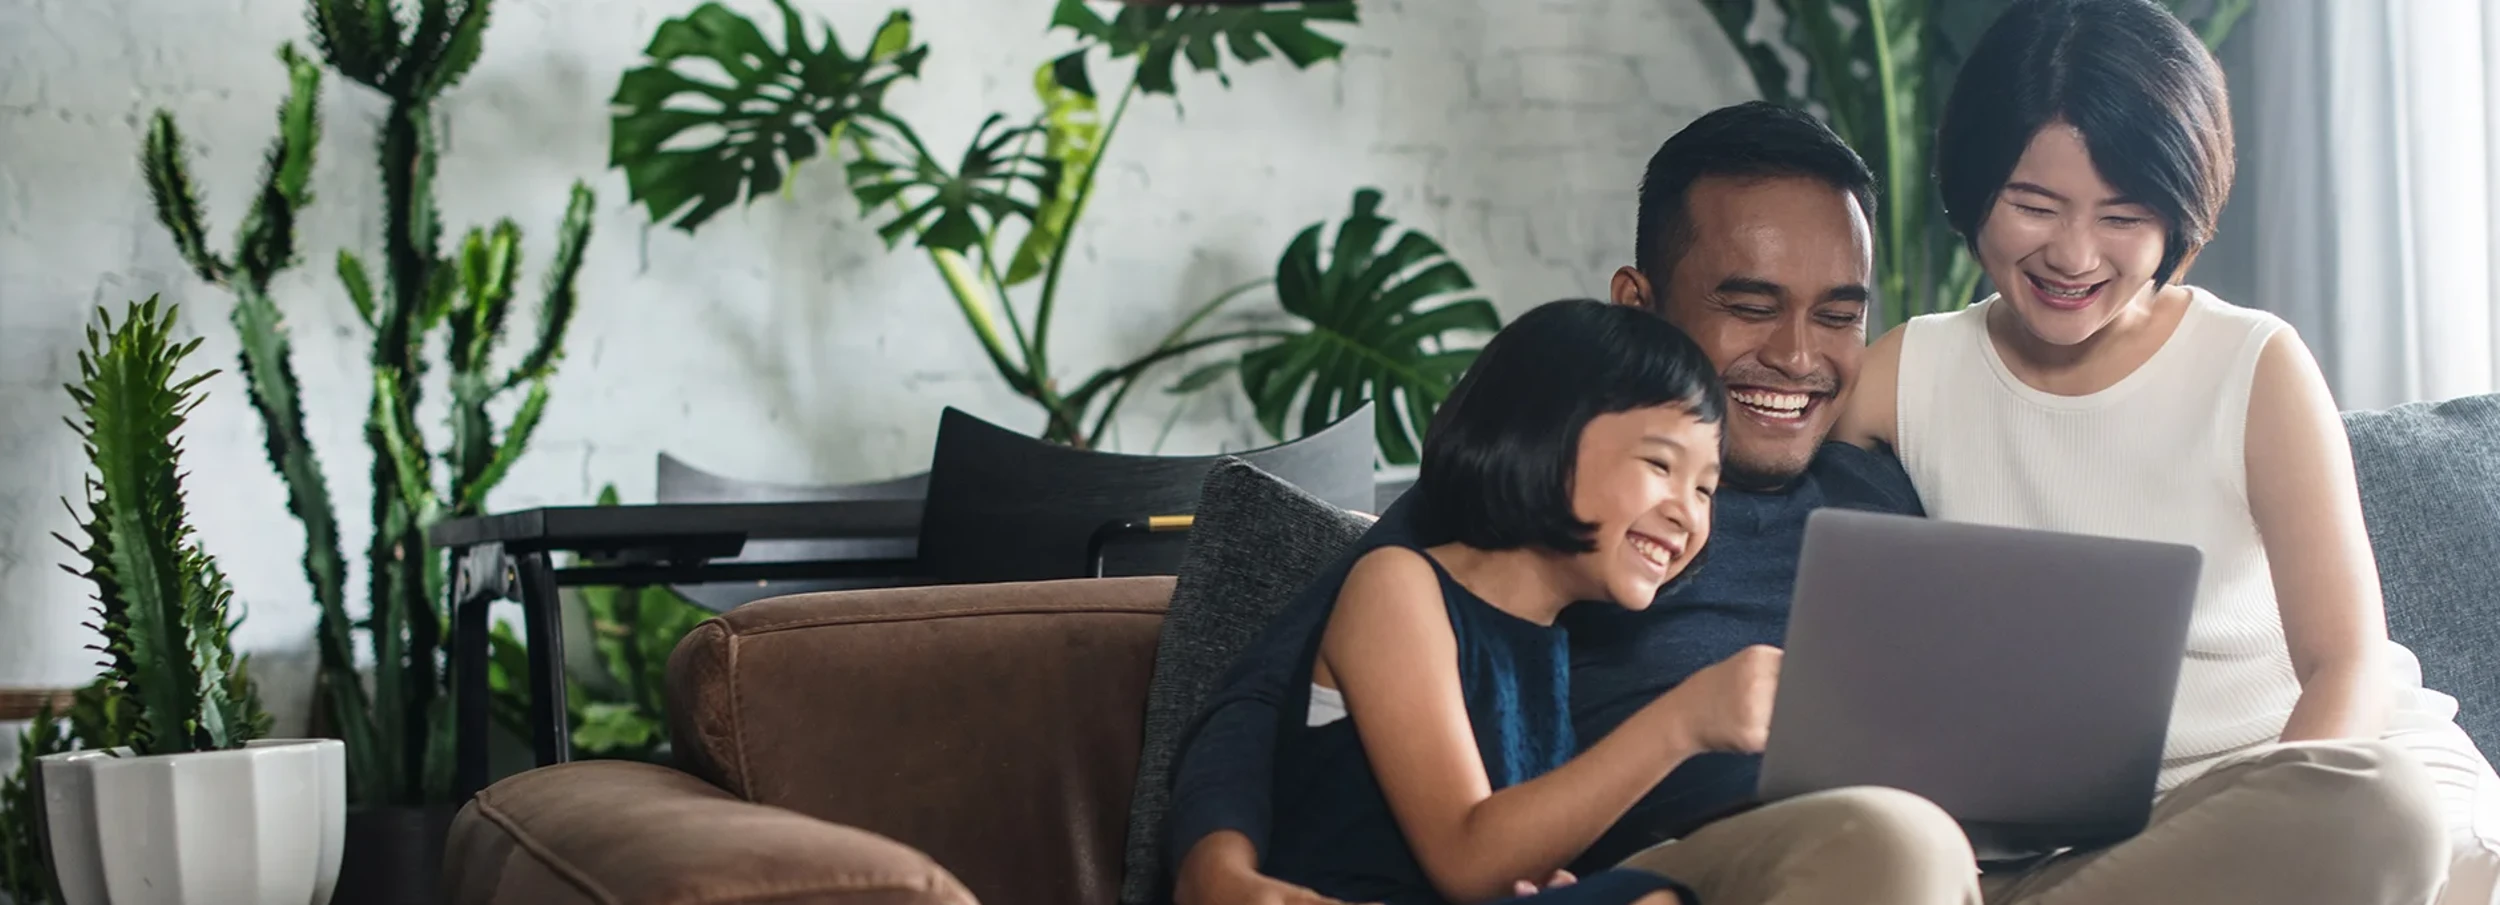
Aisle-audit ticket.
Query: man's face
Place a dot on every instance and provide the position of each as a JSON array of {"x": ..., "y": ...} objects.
[{"x": 1774, "y": 286}]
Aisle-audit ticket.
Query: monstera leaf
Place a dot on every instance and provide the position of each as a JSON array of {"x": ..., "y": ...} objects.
[
  {"x": 1159, "y": 33},
  {"x": 947, "y": 208},
  {"x": 1377, "y": 321},
  {"x": 779, "y": 107},
  {"x": 1072, "y": 132}
]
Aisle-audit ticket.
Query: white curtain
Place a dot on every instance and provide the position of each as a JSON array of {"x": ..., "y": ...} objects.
[{"x": 2372, "y": 172}]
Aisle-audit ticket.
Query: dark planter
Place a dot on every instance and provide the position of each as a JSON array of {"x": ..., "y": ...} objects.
[{"x": 394, "y": 856}]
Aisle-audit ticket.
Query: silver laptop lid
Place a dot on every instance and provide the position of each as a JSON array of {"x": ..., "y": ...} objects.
[{"x": 2020, "y": 679}]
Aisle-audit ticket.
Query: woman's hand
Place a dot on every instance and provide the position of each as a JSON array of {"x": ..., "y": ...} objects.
[
  {"x": 1726, "y": 706},
  {"x": 1560, "y": 879}
]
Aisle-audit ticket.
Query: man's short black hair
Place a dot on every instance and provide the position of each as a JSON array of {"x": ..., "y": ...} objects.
[
  {"x": 2147, "y": 95},
  {"x": 1498, "y": 459},
  {"x": 1754, "y": 139}
]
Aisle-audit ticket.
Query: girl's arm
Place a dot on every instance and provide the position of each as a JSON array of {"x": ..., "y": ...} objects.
[
  {"x": 1391, "y": 653},
  {"x": 2307, "y": 505},
  {"x": 1867, "y": 407}
]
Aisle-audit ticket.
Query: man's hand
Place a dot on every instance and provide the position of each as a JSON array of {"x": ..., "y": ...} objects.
[
  {"x": 1727, "y": 705},
  {"x": 1223, "y": 869}
]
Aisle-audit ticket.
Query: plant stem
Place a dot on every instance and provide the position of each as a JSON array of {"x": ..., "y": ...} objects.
[
  {"x": 961, "y": 281},
  {"x": 1898, "y": 164},
  {"x": 1084, "y": 393},
  {"x": 989, "y": 266},
  {"x": 1126, "y": 375},
  {"x": 1067, "y": 239}
]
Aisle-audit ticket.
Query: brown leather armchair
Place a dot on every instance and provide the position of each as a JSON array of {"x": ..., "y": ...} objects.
[{"x": 954, "y": 744}]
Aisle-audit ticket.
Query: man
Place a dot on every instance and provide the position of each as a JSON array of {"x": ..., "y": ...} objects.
[{"x": 1753, "y": 236}]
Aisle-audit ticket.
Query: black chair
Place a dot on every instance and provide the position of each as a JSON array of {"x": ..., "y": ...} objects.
[
  {"x": 680, "y": 482},
  {"x": 1005, "y": 506}
]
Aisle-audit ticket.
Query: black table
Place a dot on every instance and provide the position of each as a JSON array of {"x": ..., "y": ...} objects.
[{"x": 509, "y": 556}]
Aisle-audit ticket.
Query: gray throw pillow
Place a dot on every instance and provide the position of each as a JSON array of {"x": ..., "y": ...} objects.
[
  {"x": 2430, "y": 491},
  {"x": 1257, "y": 541}
]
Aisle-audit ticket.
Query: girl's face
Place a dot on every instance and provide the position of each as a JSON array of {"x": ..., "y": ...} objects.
[
  {"x": 2068, "y": 252},
  {"x": 1645, "y": 478}
]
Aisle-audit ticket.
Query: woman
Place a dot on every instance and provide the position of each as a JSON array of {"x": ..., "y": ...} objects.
[{"x": 2084, "y": 156}]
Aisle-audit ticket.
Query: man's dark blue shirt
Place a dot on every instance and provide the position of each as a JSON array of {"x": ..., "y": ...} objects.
[{"x": 1621, "y": 660}]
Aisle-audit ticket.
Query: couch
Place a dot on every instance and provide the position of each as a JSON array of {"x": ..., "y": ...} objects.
[{"x": 981, "y": 743}]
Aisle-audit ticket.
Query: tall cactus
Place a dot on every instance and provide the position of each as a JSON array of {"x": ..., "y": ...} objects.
[
  {"x": 161, "y": 603},
  {"x": 399, "y": 735}
]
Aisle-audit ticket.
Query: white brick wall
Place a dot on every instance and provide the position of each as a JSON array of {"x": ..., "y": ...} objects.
[{"x": 783, "y": 342}]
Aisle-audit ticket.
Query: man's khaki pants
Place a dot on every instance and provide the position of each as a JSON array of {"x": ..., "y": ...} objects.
[{"x": 2332, "y": 823}]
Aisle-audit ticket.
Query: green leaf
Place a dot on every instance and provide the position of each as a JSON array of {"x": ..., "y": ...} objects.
[
  {"x": 779, "y": 106},
  {"x": 607, "y": 727},
  {"x": 1068, "y": 72},
  {"x": 1158, "y": 35},
  {"x": 893, "y": 38},
  {"x": 1072, "y": 130},
  {"x": 1770, "y": 75},
  {"x": 1377, "y": 328},
  {"x": 952, "y": 211},
  {"x": 1076, "y": 16}
]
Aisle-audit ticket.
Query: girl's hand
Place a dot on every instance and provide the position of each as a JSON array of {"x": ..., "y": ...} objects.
[
  {"x": 1560, "y": 879},
  {"x": 1727, "y": 705}
]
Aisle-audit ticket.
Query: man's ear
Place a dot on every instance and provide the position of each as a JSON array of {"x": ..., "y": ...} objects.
[{"x": 1631, "y": 287}]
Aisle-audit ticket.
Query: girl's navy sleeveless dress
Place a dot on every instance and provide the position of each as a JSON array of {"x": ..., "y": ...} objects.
[{"x": 1333, "y": 830}]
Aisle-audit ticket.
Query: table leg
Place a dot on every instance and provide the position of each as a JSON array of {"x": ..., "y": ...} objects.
[
  {"x": 480, "y": 576},
  {"x": 542, "y": 615}
]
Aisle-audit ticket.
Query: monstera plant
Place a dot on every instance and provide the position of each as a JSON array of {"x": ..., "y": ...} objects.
[
  {"x": 1878, "y": 73},
  {"x": 996, "y": 220}
]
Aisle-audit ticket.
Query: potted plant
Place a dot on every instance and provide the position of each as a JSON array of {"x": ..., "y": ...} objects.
[
  {"x": 718, "y": 115},
  {"x": 442, "y": 313},
  {"x": 193, "y": 805}
]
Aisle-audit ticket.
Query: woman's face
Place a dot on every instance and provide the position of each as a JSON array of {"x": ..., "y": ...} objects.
[
  {"x": 1645, "y": 478},
  {"x": 2066, "y": 250}
]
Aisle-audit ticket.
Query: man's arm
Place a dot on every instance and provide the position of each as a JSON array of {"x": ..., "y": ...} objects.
[{"x": 1225, "y": 772}]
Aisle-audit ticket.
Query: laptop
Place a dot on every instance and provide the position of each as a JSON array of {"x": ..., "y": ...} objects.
[{"x": 2020, "y": 679}]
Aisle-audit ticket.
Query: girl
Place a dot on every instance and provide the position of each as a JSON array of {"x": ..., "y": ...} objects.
[
  {"x": 2084, "y": 156},
  {"x": 1432, "y": 759}
]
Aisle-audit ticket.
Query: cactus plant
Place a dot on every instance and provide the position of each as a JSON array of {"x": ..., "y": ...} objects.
[
  {"x": 398, "y": 734},
  {"x": 162, "y": 604}
]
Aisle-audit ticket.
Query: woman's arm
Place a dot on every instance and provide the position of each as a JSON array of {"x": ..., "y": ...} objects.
[
  {"x": 1390, "y": 650},
  {"x": 1866, "y": 409},
  {"x": 2307, "y": 505}
]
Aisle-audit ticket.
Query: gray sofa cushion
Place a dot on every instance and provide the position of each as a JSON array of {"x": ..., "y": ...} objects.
[
  {"x": 2430, "y": 490},
  {"x": 1257, "y": 541}
]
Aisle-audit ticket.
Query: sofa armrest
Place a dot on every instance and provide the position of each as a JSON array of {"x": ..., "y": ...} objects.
[{"x": 620, "y": 833}]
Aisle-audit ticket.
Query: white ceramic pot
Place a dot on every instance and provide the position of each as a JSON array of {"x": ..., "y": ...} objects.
[{"x": 263, "y": 825}]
